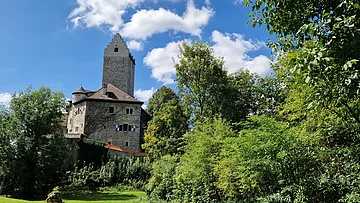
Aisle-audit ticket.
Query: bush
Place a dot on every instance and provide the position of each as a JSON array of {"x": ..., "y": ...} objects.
[{"x": 130, "y": 171}]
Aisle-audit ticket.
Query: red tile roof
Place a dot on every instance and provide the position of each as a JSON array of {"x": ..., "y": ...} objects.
[{"x": 120, "y": 149}]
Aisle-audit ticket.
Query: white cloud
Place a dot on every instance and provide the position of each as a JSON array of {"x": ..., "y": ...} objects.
[
  {"x": 234, "y": 48},
  {"x": 97, "y": 13},
  {"x": 135, "y": 45},
  {"x": 144, "y": 95},
  {"x": 145, "y": 23},
  {"x": 161, "y": 61},
  {"x": 5, "y": 98}
]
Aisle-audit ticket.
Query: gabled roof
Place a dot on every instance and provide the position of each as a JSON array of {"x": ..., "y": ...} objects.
[{"x": 113, "y": 94}]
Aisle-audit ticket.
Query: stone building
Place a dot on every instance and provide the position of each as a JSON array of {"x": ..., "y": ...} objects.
[{"x": 111, "y": 114}]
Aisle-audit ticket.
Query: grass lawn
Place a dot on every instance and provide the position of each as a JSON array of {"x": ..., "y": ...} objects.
[{"x": 107, "y": 196}]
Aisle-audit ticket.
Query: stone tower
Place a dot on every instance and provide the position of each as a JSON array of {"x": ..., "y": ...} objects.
[{"x": 119, "y": 66}]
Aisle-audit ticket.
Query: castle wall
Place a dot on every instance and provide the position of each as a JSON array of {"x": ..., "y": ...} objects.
[
  {"x": 101, "y": 125},
  {"x": 76, "y": 118}
]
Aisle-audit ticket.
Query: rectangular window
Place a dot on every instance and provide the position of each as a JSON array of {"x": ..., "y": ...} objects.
[
  {"x": 77, "y": 129},
  {"x": 104, "y": 126},
  {"x": 125, "y": 127},
  {"x": 129, "y": 111},
  {"x": 119, "y": 128},
  {"x": 129, "y": 128},
  {"x": 126, "y": 144},
  {"x": 116, "y": 49},
  {"x": 111, "y": 109}
]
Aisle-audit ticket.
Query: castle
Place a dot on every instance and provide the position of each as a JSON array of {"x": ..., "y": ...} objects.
[{"x": 111, "y": 114}]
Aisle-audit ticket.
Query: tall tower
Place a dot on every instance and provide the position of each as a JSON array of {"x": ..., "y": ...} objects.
[{"x": 119, "y": 66}]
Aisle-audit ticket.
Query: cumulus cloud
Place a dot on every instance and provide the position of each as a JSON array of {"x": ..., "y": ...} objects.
[
  {"x": 162, "y": 61},
  {"x": 5, "y": 98},
  {"x": 145, "y": 23},
  {"x": 144, "y": 95},
  {"x": 97, "y": 13},
  {"x": 234, "y": 48},
  {"x": 135, "y": 45}
]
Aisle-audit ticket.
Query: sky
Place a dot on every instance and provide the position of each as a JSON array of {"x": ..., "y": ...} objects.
[{"x": 60, "y": 43}]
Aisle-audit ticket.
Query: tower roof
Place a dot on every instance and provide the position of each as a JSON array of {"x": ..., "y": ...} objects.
[{"x": 81, "y": 90}]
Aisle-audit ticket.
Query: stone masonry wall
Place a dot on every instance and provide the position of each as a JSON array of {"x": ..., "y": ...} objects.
[
  {"x": 101, "y": 125},
  {"x": 76, "y": 118},
  {"x": 119, "y": 71}
]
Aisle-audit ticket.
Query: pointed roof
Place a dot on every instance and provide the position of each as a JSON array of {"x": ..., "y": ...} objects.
[
  {"x": 113, "y": 94},
  {"x": 80, "y": 90}
]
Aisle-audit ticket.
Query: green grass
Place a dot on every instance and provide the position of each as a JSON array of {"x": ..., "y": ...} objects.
[{"x": 106, "y": 196}]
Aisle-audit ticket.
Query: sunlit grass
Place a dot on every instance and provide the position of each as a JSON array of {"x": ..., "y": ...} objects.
[{"x": 107, "y": 196}]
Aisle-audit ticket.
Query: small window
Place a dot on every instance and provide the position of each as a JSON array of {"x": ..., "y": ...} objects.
[
  {"x": 116, "y": 49},
  {"x": 129, "y": 127},
  {"x": 111, "y": 109},
  {"x": 119, "y": 128},
  {"x": 109, "y": 142},
  {"x": 77, "y": 129},
  {"x": 126, "y": 144},
  {"x": 70, "y": 130},
  {"x": 125, "y": 127},
  {"x": 104, "y": 126},
  {"x": 129, "y": 111}
]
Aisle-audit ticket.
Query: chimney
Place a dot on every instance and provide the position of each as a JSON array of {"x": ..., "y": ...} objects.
[{"x": 105, "y": 89}]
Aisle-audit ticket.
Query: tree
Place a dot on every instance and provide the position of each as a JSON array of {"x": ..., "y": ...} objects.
[
  {"x": 195, "y": 175},
  {"x": 321, "y": 39},
  {"x": 167, "y": 127},
  {"x": 39, "y": 150},
  {"x": 201, "y": 79},
  {"x": 160, "y": 97},
  {"x": 270, "y": 93},
  {"x": 240, "y": 97}
]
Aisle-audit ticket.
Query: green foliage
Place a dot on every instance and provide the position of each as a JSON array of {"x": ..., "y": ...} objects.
[
  {"x": 160, "y": 97},
  {"x": 34, "y": 151},
  {"x": 127, "y": 170},
  {"x": 195, "y": 175},
  {"x": 201, "y": 79},
  {"x": 165, "y": 131},
  {"x": 240, "y": 96},
  {"x": 162, "y": 183},
  {"x": 321, "y": 39}
]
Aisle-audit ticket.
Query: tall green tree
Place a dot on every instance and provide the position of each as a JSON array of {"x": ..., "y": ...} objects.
[
  {"x": 160, "y": 97},
  {"x": 39, "y": 150},
  {"x": 240, "y": 98},
  {"x": 165, "y": 131},
  {"x": 321, "y": 39},
  {"x": 201, "y": 79}
]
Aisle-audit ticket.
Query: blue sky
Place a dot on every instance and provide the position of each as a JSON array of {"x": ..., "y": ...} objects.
[{"x": 60, "y": 43}]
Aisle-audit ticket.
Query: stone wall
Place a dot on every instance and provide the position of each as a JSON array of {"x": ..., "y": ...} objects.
[
  {"x": 119, "y": 71},
  {"x": 118, "y": 67},
  {"x": 76, "y": 118},
  {"x": 101, "y": 125}
]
